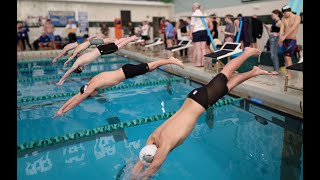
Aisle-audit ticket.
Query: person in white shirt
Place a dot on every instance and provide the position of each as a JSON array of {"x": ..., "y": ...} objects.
[
  {"x": 145, "y": 31},
  {"x": 71, "y": 31},
  {"x": 199, "y": 35},
  {"x": 190, "y": 49}
]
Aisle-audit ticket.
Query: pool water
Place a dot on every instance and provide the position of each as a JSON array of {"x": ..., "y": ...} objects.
[{"x": 226, "y": 143}]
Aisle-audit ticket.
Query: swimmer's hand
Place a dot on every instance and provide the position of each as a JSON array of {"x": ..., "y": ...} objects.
[
  {"x": 60, "y": 83},
  {"x": 65, "y": 64},
  {"x": 59, "y": 113}
]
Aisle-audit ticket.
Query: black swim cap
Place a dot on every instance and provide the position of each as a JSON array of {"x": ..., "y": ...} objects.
[
  {"x": 78, "y": 70},
  {"x": 83, "y": 88}
]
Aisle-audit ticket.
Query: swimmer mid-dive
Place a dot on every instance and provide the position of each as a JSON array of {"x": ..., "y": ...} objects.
[
  {"x": 111, "y": 78},
  {"x": 95, "y": 42},
  {"x": 89, "y": 57},
  {"x": 176, "y": 129},
  {"x": 68, "y": 48}
]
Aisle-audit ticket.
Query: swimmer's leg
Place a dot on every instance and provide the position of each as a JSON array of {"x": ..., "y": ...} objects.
[
  {"x": 124, "y": 41},
  {"x": 235, "y": 63},
  {"x": 241, "y": 77},
  {"x": 219, "y": 86},
  {"x": 118, "y": 41},
  {"x": 153, "y": 65},
  {"x": 209, "y": 94}
]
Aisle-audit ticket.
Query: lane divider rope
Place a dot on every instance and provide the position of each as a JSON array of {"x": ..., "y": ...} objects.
[
  {"x": 117, "y": 87},
  {"x": 61, "y": 66},
  {"x": 106, "y": 128}
]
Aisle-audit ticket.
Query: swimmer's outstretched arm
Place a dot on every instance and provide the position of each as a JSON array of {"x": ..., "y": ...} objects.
[
  {"x": 59, "y": 112},
  {"x": 124, "y": 41},
  {"x": 79, "y": 49},
  {"x": 65, "y": 50},
  {"x": 158, "y": 160},
  {"x": 68, "y": 73},
  {"x": 74, "y": 101},
  {"x": 83, "y": 46}
]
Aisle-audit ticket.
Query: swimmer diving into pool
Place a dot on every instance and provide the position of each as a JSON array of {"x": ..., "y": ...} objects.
[
  {"x": 89, "y": 57},
  {"x": 111, "y": 78},
  {"x": 176, "y": 129},
  {"x": 96, "y": 42},
  {"x": 68, "y": 48}
]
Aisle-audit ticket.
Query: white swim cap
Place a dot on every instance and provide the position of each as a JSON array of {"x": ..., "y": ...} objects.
[
  {"x": 147, "y": 153},
  {"x": 286, "y": 8},
  {"x": 196, "y": 5}
]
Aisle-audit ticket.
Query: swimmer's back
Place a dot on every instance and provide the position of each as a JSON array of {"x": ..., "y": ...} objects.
[
  {"x": 106, "y": 79},
  {"x": 180, "y": 126}
]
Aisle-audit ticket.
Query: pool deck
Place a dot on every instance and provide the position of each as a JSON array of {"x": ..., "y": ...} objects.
[{"x": 269, "y": 89}]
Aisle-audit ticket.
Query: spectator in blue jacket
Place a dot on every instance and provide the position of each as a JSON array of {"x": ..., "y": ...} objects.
[{"x": 169, "y": 32}]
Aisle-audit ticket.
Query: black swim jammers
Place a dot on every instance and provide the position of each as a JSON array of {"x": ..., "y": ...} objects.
[
  {"x": 107, "y": 48},
  {"x": 132, "y": 70},
  {"x": 209, "y": 94}
]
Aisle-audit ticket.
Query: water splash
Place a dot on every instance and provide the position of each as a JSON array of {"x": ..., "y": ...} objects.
[{"x": 162, "y": 108}]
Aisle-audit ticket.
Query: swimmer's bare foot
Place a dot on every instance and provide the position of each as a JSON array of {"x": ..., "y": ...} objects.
[
  {"x": 275, "y": 73},
  {"x": 257, "y": 71},
  {"x": 177, "y": 62},
  {"x": 252, "y": 51}
]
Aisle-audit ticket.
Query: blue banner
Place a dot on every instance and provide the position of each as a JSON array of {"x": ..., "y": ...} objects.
[
  {"x": 83, "y": 22},
  {"x": 60, "y": 18}
]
